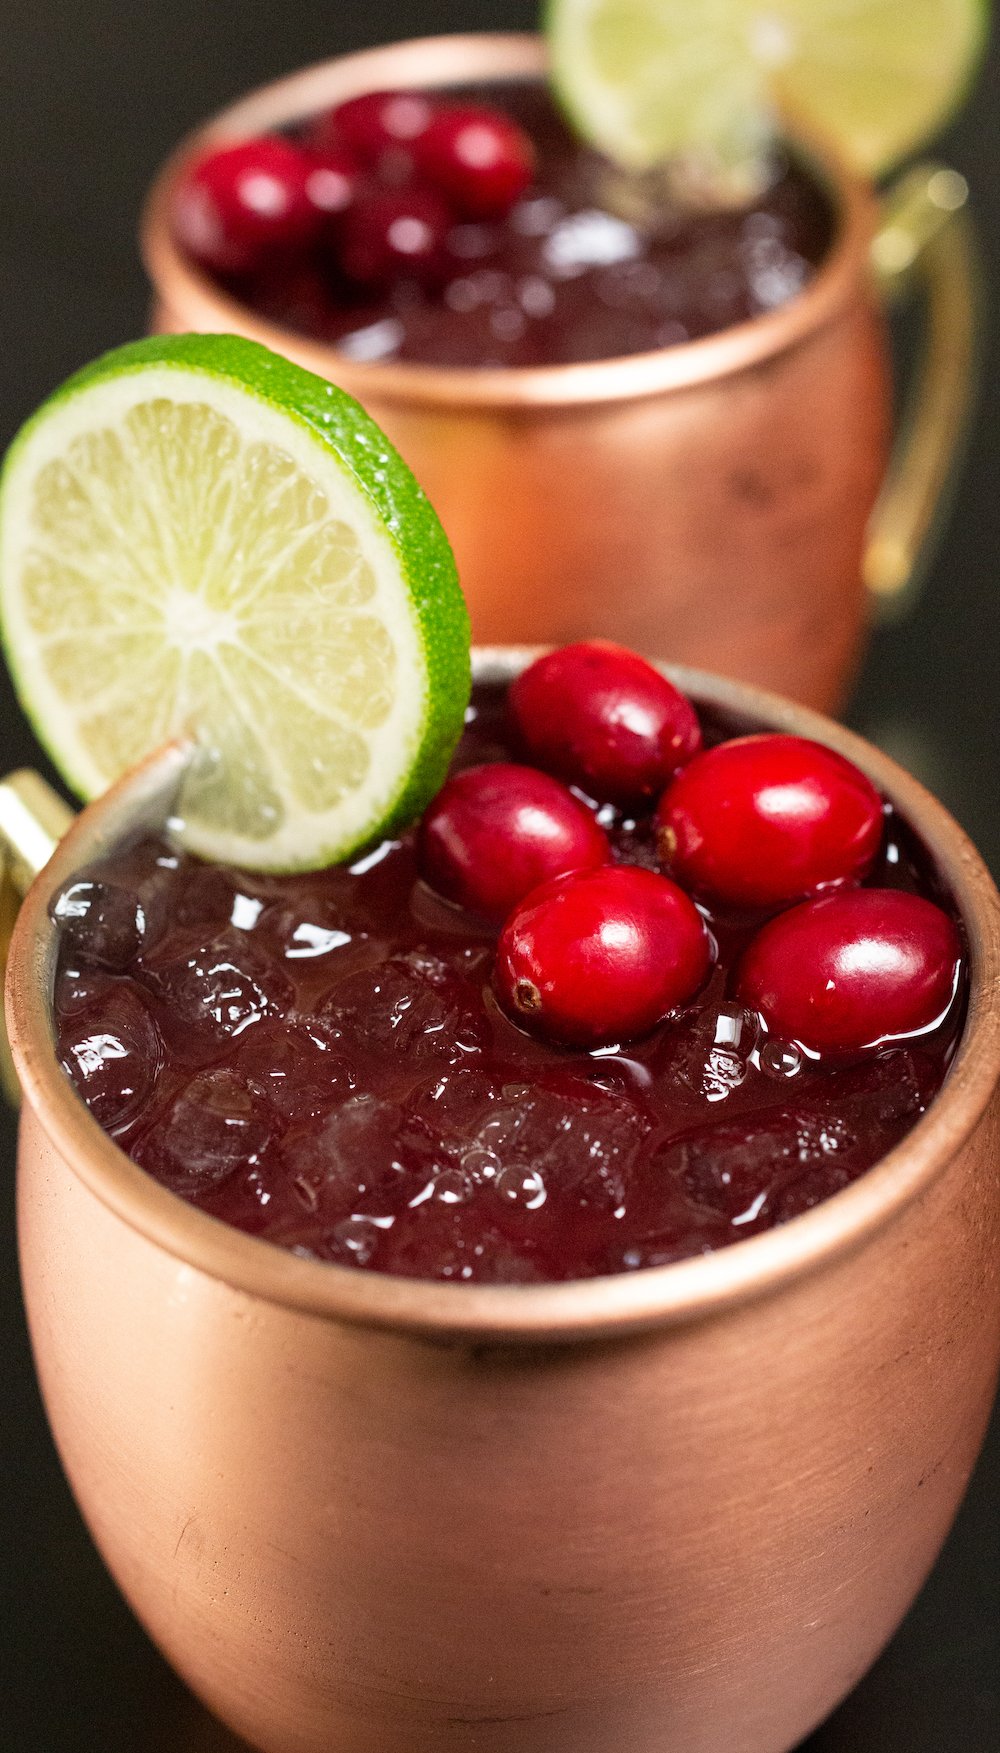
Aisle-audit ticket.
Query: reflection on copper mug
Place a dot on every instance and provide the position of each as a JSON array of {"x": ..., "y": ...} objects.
[
  {"x": 674, "y": 1511},
  {"x": 711, "y": 502}
]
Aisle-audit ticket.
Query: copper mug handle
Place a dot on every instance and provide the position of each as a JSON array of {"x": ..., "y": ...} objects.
[
  {"x": 33, "y": 819},
  {"x": 926, "y": 239}
]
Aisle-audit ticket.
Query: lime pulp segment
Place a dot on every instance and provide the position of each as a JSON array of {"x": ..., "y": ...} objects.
[{"x": 181, "y": 554}]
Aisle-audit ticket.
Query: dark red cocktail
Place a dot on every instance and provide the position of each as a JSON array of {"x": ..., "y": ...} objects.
[
  {"x": 323, "y": 1061},
  {"x": 367, "y": 242}
]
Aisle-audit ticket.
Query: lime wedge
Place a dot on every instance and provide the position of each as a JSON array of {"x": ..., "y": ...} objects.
[
  {"x": 650, "y": 80},
  {"x": 197, "y": 537}
]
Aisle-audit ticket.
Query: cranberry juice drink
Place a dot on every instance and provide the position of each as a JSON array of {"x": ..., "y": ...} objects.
[
  {"x": 399, "y": 1063},
  {"x": 471, "y": 228}
]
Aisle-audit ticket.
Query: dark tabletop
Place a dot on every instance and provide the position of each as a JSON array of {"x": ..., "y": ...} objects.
[{"x": 92, "y": 94}]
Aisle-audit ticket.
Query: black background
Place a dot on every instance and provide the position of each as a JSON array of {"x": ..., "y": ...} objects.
[{"x": 92, "y": 95}]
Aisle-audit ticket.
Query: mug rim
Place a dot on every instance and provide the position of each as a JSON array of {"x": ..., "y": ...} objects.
[
  {"x": 579, "y": 1309},
  {"x": 187, "y": 292}
]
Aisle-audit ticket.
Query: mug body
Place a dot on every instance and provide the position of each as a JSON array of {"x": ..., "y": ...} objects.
[
  {"x": 673, "y": 1511},
  {"x": 707, "y": 502}
]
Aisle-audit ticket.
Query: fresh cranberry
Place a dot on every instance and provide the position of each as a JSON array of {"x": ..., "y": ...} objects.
[
  {"x": 389, "y": 234},
  {"x": 763, "y": 820},
  {"x": 478, "y": 157},
  {"x": 495, "y": 832},
  {"x": 604, "y": 719},
  {"x": 852, "y": 970},
  {"x": 332, "y": 181},
  {"x": 601, "y": 955},
  {"x": 235, "y": 207},
  {"x": 378, "y": 125}
]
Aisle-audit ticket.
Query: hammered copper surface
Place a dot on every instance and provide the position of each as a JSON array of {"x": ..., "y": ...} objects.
[
  {"x": 707, "y": 502},
  {"x": 675, "y": 1511}
]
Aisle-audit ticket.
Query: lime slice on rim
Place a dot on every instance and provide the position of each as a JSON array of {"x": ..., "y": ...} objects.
[
  {"x": 197, "y": 537},
  {"x": 649, "y": 80}
]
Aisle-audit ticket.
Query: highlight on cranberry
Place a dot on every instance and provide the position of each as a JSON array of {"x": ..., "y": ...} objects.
[
  {"x": 601, "y": 956},
  {"x": 604, "y": 719},
  {"x": 763, "y": 820},
  {"x": 389, "y": 232},
  {"x": 852, "y": 971},
  {"x": 495, "y": 832},
  {"x": 332, "y": 182},
  {"x": 504, "y": 1046}
]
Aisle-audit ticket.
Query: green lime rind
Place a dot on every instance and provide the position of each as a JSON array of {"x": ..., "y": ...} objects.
[{"x": 421, "y": 548}]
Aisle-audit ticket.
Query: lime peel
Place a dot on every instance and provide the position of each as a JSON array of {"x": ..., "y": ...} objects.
[{"x": 198, "y": 537}]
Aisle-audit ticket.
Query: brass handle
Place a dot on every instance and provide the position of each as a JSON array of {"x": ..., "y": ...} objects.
[
  {"x": 33, "y": 819},
  {"x": 926, "y": 236}
]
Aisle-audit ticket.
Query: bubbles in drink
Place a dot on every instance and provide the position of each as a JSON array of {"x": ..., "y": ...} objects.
[{"x": 781, "y": 1059}]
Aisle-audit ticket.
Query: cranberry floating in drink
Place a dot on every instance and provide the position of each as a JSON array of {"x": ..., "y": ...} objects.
[
  {"x": 369, "y": 1065},
  {"x": 495, "y": 832},
  {"x": 763, "y": 820},
  {"x": 605, "y": 720}
]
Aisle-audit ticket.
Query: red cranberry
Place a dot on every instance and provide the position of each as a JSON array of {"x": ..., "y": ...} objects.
[
  {"x": 378, "y": 124},
  {"x": 766, "y": 819},
  {"x": 495, "y": 832},
  {"x": 332, "y": 180},
  {"x": 852, "y": 970},
  {"x": 604, "y": 719},
  {"x": 236, "y": 206},
  {"x": 395, "y": 233},
  {"x": 478, "y": 157},
  {"x": 601, "y": 955}
]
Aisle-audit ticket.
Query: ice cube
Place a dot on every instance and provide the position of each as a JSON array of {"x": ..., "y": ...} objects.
[
  {"x": 364, "y": 1151},
  {"x": 297, "y": 1066},
  {"x": 710, "y": 1057},
  {"x": 412, "y": 1006},
  {"x": 216, "y": 989},
  {"x": 78, "y": 985},
  {"x": 810, "y": 1189},
  {"x": 448, "y": 1243},
  {"x": 113, "y": 1053},
  {"x": 100, "y": 922},
  {"x": 214, "y": 1125},
  {"x": 579, "y": 1139},
  {"x": 734, "y": 1169}
]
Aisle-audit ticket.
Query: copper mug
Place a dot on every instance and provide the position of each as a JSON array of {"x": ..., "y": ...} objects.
[
  {"x": 674, "y": 1511},
  {"x": 728, "y": 502}
]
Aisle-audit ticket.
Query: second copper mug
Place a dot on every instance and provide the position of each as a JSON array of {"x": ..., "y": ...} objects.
[
  {"x": 710, "y": 502},
  {"x": 672, "y": 1511}
]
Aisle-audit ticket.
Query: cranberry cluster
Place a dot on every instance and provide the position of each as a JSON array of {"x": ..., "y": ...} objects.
[
  {"x": 592, "y": 952},
  {"x": 375, "y": 185}
]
